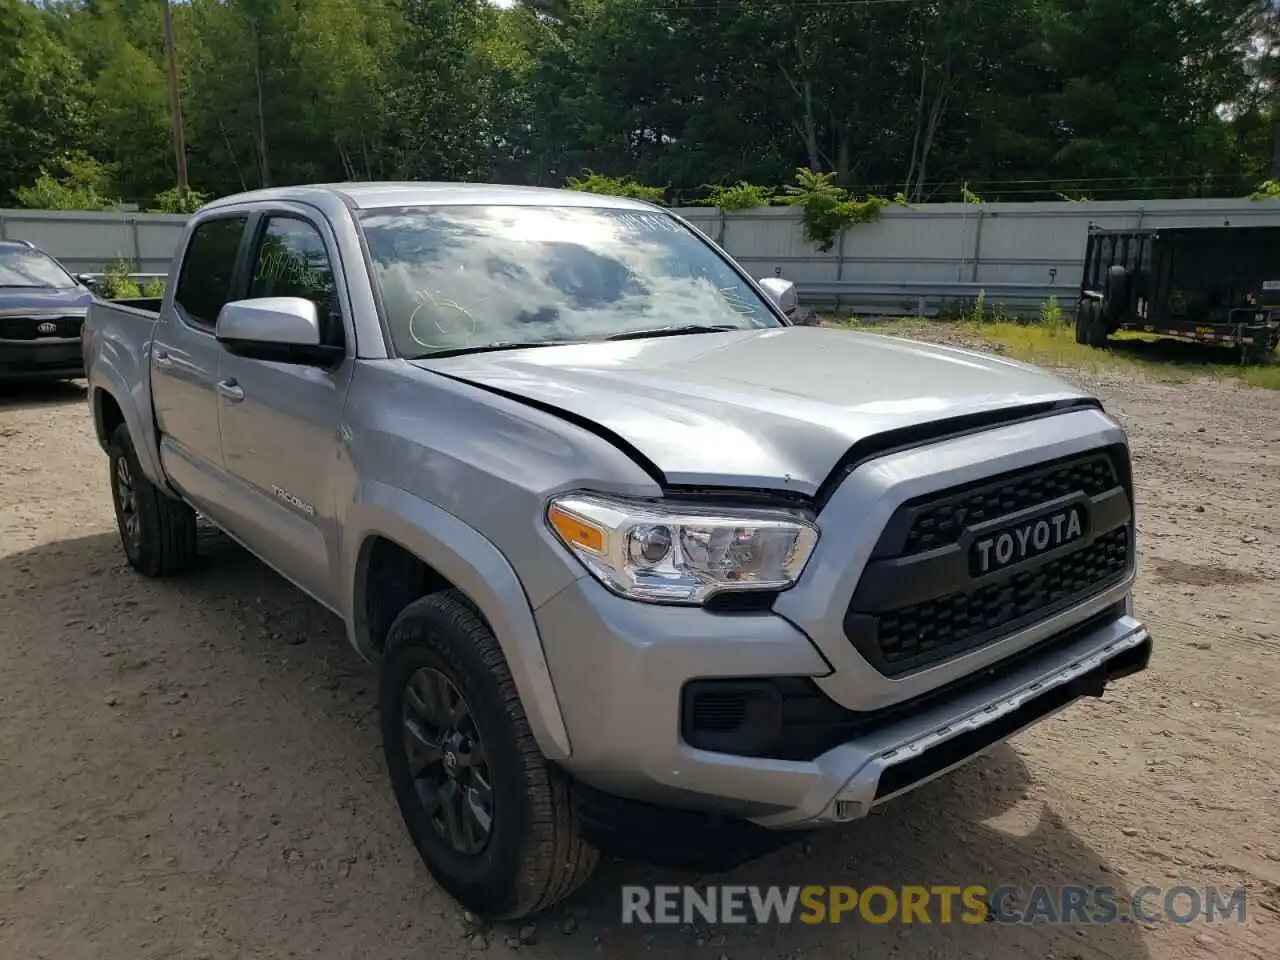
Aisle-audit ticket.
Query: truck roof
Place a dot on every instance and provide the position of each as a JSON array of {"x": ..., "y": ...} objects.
[{"x": 409, "y": 193}]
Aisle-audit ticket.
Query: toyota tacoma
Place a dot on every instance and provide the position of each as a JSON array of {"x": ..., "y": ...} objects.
[{"x": 632, "y": 552}]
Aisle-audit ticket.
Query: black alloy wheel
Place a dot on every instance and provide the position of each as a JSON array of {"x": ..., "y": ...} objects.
[
  {"x": 157, "y": 531},
  {"x": 127, "y": 506},
  {"x": 494, "y": 821},
  {"x": 447, "y": 761}
]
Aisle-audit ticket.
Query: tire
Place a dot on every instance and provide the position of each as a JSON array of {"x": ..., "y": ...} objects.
[
  {"x": 1082, "y": 328},
  {"x": 158, "y": 533},
  {"x": 1095, "y": 325},
  {"x": 1256, "y": 353},
  {"x": 1115, "y": 298},
  {"x": 533, "y": 854}
]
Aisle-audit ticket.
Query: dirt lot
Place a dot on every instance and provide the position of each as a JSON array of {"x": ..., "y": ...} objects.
[{"x": 192, "y": 769}]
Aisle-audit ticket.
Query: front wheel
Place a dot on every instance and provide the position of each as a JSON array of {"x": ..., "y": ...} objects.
[
  {"x": 1258, "y": 352},
  {"x": 1082, "y": 329},
  {"x": 491, "y": 819},
  {"x": 158, "y": 533},
  {"x": 1095, "y": 324}
]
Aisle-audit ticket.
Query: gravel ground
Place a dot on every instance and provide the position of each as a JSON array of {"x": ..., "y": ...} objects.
[{"x": 192, "y": 768}]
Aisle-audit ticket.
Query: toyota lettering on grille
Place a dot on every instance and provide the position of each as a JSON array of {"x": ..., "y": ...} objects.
[{"x": 1030, "y": 538}]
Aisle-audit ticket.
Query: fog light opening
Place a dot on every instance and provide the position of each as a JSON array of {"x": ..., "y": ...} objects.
[{"x": 846, "y": 810}]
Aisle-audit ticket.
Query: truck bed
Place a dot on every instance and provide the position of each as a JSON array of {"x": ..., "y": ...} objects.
[
  {"x": 140, "y": 304},
  {"x": 117, "y": 338}
]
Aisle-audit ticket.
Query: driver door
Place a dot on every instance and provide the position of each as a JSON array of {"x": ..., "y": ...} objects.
[{"x": 280, "y": 421}]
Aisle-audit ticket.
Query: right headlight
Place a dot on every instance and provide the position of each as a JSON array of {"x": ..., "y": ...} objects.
[{"x": 660, "y": 553}]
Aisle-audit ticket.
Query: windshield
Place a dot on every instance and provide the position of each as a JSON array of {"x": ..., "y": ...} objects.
[
  {"x": 456, "y": 278},
  {"x": 24, "y": 267}
]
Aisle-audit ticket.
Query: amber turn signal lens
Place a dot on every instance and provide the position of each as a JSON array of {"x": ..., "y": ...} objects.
[{"x": 575, "y": 531}]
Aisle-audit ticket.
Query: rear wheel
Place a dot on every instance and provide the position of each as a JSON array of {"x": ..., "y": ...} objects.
[
  {"x": 1115, "y": 299},
  {"x": 158, "y": 533},
  {"x": 492, "y": 820}
]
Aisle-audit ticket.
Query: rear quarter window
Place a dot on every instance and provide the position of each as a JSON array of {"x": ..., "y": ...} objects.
[{"x": 208, "y": 268}]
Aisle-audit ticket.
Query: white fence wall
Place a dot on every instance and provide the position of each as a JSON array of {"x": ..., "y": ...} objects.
[
  {"x": 1035, "y": 243},
  {"x": 1041, "y": 243},
  {"x": 86, "y": 242}
]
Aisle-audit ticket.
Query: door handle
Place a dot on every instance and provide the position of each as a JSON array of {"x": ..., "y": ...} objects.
[
  {"x": 231, "y": 390},
  {"x": 163, "y": 359}
]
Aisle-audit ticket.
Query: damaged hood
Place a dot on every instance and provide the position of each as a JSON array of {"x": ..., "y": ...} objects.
[{"x": 774, "y": 408}]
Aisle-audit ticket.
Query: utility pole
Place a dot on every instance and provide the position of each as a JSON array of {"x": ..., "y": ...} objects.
[{"x": 175, "y": 100}]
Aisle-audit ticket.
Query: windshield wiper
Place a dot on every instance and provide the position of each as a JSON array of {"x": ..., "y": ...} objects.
[
  {"x": 494, "y": 346},
  {"x": 675, "y": 331}
]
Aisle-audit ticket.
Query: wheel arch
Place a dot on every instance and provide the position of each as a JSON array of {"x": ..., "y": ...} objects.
[
  {"x": 107, "y": 416},
  {"x": 113, "y": 404},
  {"x": 396, "y": 544}
]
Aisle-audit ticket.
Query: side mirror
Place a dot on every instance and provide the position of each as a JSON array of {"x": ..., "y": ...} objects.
[
  {"x": 279, "y": 329},
  {"x": 782, "y": 293},
  {"x": 83, "y": 279}
]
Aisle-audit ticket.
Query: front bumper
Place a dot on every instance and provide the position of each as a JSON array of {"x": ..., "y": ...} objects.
[
  {"x": 619, "y": 682},
  {"x": 41, "y": 359},
  {"x": 622, "y": 669},
  {"x": 860, "y": 775}
]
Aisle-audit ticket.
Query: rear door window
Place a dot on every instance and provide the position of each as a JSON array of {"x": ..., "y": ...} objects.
[{"x": 208, "y": 269}]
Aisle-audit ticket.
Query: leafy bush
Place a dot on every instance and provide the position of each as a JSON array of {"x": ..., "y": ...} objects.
[
  {"x": 592, "y": 182},
  {"x": 115, "y": 282},
  {"x": 79, "y": 183},
  {"x": 1267, "y": 190},
  {"x": 828, "y": 208},
  {"x": 178, "y": 200},
  {"x": 978, "y": 312},
  {"x": 1052, "y": 314},
  {"x": 740, "y": 196}
]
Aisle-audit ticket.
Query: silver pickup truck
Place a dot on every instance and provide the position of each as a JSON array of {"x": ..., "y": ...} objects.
[{"x": 638, "y": 559}]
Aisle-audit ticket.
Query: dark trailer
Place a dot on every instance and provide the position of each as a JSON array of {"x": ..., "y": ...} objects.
[{"x": 1213, "y": 284}]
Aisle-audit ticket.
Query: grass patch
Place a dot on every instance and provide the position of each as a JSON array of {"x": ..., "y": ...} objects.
[
  {"x": 1050, "y": 342},
  {"x": 1054, "y": 345},
  {"x": 1268, "y": 377}
]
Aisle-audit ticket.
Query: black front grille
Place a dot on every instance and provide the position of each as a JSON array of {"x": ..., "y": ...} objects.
[
  {"x": 937, "y": 523},
  {"x": 942, "y": 628},
  {"x": 28, "y": 328},
  {"x": 920, "y": 600}
]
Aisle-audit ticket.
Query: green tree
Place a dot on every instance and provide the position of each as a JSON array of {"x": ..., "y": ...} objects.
[
  {"x": 1018, "y": 98},
  {"x": 283, "y": 92},
  {"x": 439, "y": 91},
  {"x": 73, "y": 181},
  {"x": 43, "y": 109}
]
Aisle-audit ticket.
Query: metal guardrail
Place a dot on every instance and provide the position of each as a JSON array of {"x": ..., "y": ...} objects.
[
  {"x": 138, "y": 277},
  {"x": 924, "y": 298},
  {"x": 920, "y": 298}
]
